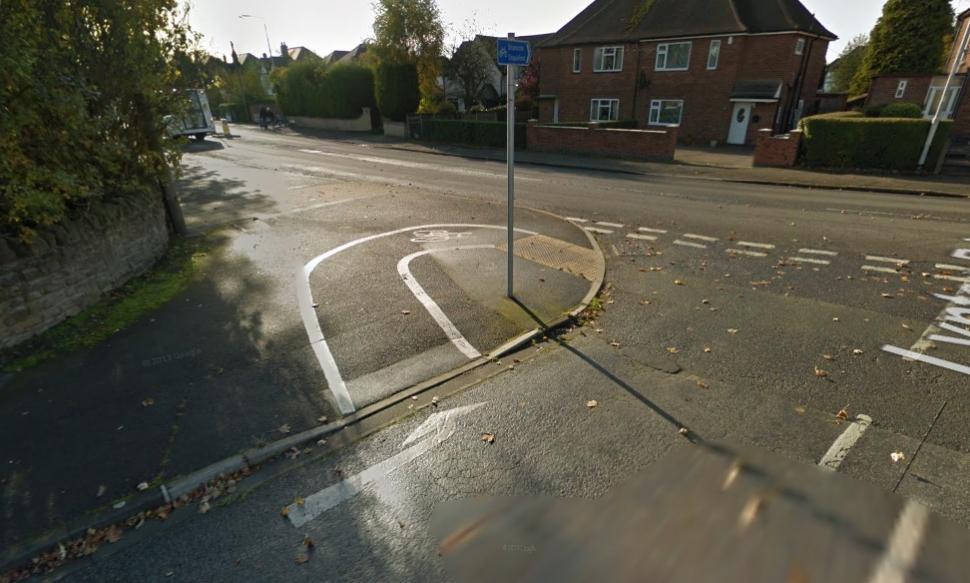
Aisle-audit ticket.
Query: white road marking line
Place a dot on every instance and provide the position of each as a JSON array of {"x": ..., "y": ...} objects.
[
  {"x": 951, "y": 267},
  {"x": 614, "y": 225},
  {"x": 443, "y": 424},
  {"x": 311, "y": 323},
  {"x": 456, "y": 337},
  {"x": 310, "y": 151},
  {"x": 809, "y": 260},
  {"x": 952, "y": 278},
  {"x": 599, "y": 231},
  {"x": 701, "y": 237},
  {"x": 649, "y": 230},
  {"x": 910, "y": 355},
  {"x": 576, "y": 220},
  {"x": 690, "y": 244},
  {"x": 748, "y": 253},
  {"x": 933, "y": 332},
  {"x": 879, "y": 259},
  {"x": 417, "y": 165},
  {"x": 880, "y": 269},
  {"x": 755, "y": 245},
  {"x": 818, "y": 252},
  {"x": 840, "y": 448},
  {"x": 640, "y": 237},
  {"x": 904, "y": 544}
]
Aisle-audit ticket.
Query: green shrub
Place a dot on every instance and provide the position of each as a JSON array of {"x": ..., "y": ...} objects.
[
  {"x": 860, "y": 142},
  {"x": 236, "y": 110},
  {"x": 872, "y": 110},
  {"x": 474, "y": 133},
  {"x": 902, "y": 109},
  {"x": 312, "y": 90},
  {"x": 398, "y": 92},
  {"x": 838, "y": 114}
]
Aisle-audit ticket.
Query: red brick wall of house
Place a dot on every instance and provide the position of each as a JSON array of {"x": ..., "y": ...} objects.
[
  {"x": 882, "y": 90},
  {"x": 706, "y": 93},
  {"x": 780, "y": 151},
  {"x": 658, "y": 144},
  {"x": 961, "y": 118}
]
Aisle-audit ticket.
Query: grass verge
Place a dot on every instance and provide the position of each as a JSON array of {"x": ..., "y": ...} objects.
[{"x": 117, "y": 310}]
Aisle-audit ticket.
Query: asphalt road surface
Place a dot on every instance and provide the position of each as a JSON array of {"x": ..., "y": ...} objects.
[{"x": 815, "y": 328}]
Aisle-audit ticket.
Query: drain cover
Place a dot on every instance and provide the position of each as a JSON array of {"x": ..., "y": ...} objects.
[{"x": 557, "y": 254}]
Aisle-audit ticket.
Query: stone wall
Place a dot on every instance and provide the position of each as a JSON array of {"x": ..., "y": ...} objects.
[
  {"x": 70, "y": 267},
  {"x": 779, "y": 151},
  {"x": 617, "y": 143},
  {"x": 361, "y": 124}
]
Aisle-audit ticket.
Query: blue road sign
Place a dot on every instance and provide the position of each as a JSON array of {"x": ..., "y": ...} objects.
[{"x": 513, "y": 52}]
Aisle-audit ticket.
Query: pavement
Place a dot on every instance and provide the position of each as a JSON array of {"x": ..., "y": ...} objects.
[{"x": 767, "y": 322}]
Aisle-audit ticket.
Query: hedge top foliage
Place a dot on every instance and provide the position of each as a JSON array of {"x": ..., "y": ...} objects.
[
  {"x": 312, "y": 89},
  {"x": 902, "y": 109},
  {"x": 865, "y": 142},
  {"x": 398, "y": 92}
]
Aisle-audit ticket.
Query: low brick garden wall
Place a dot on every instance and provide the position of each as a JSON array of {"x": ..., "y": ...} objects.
[
  {"x": 71, "y": 266},
  {"x": 780, "y": 151},
  {"x": 618, "y": 143}
]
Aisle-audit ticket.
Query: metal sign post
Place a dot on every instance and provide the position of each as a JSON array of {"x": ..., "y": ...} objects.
[{"x": 511, "y": 52}]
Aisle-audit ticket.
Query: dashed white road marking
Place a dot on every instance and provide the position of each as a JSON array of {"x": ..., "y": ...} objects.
[
  {"x": 810, "y": 260},
  {"x": 641, "y": 237},
  {"x": 840, "y": 448},
  {"x": 879, "y": 259},
  {"x": 755, "y": 245},
  {"x": 701, "y": 237},
  {"x": 746, "y": 252},
  {"x": 416, "y": 165},
  {"x": 952, "y": 278},
  {"x": 600, "y": 231},
  {"x": 880, "y": 269},
  {"x": 952, "y": 267},
  {"x": 690, "y": 244},
  {"x": 933, "y": 332},
  {"x": 904, "y": 544},
  {"x": 910, "y": 355},
  {"x": 613, "y": 225},
  {"x": 649, "y": 230},
  {"x": 576, "y": 220},
  {"x": 818, "y": 252},
  {"x": 456, "y": 337}
]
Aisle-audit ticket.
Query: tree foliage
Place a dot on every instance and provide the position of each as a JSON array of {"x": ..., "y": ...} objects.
[
  {"x": 850, "y": 60},
  {"x": 397, "y": 90},
  {"x": 84, "y": 86},
  {"x": 909, "y": 37},
  {"x": 312, "y": 89},
  {"x": 527, "y": 95},
  {"x": 410, "y": 31},
  {"x": 471, "y": 65}
]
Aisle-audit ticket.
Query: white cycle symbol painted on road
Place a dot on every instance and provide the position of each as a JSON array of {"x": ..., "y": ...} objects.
[{"x": 437, "y": 236}]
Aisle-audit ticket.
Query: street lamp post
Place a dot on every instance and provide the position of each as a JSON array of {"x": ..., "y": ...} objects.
[{"x": 269, "y": 45}]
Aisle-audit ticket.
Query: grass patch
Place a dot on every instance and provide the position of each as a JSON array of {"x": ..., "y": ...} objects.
[{"x": 116, "y": 311}]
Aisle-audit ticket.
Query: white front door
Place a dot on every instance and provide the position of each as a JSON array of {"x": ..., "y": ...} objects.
[{"x": 739, "y": 123}]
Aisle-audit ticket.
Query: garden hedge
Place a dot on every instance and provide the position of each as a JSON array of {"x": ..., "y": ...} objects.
[
  {"x": 474, "y": 133},
  {"x": 313, "y": 90},
  {"x": 398, "y": 93},
  {"x": 902, "y": 109},
  {"x": 865, "y": 142}
]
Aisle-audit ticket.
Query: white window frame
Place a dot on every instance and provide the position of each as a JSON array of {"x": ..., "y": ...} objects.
[
  {"x": 663, "y": 52},
  {"x": 577, "y": 60},
  {"x": 596, "y": 103},
  {"x": 656, "y": 106},
  {"x": 599, "y": 56},
  {"x": 948, "y": 106},
  {"x": 800, "y": 46},
  {"x": 714, "y": 54},
  {"x": 901, "y": 88}
]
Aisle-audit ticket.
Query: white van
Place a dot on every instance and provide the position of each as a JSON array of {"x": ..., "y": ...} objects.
[{"x": 196, "y": 121}]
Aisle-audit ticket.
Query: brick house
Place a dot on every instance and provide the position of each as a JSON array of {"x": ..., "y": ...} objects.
[
  {"x": 720, "y": 70},
  {"x": 926, "y": 89}
]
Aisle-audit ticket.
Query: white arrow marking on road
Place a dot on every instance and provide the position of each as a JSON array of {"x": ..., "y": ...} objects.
[
  {"x": 443, "y": 424},
  {"x": 834, "y": 456}
]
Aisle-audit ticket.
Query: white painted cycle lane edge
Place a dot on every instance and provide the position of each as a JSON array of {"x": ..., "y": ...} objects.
[{"x": 312, "y": 323}]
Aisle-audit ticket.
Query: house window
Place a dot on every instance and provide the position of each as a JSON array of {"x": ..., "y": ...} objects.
[
  {"x": 714, "y": 54},
  {"x": 800, "y": 46},
  {"x": 577, "y": 60},
  {"x": 604, "y": 110},
  {"x": 933, "y": 102},
  {"x": 608, "y": 59},
  {"x": 901, "y": 89},
  {"x": 666, "y": 112},
  {"x": 673, "y": 56}
]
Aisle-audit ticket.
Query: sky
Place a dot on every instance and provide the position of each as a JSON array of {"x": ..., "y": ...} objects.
[{"x": 327, "y": 25}]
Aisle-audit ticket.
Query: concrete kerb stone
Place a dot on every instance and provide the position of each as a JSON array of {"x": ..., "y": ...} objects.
[{"x": 183, "y": 485}]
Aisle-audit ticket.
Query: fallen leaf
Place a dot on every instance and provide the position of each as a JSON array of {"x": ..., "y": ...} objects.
[
  {"x": 285, "y": 511},
  {"x": 302, "y": 558},
  {"x": 858, "y": 351},
  {"x": 835, "y": 319},
  {"x": 672, "y": 350},
  {"x": 204, "y": 507},
  {"x": 683, "y": 431},
  {"x": 308, "y": 542},
  {"x": 800, "y": 409},
  {"x": 592, "y": 404},
  {"x": 148, "y": 402},
  {"x": 907, "y": 326},
  {"x": 705, "y": 302},
  {"x": 897, "y": 456},
  {"x": 732, "y": 331},
  {"x": 843, "y": 414},
  {"x": 703, "y": 385},
  {"x": 821, "y": 373},
  {"x": 299, "y": 501},
  {"x": 678, "y": 282},
  {"x": 405, "y": 312},
  {"x": 322, "y": 419},
  {"x": 322, "y": 442},
  {"x": 751, "y": 509},
  {"x": 707, "y": 349},
  {"x": 828, "y": 357},
  {"x": 733, "y": 472},
  {"x": 101, "y": 490},
  {"x": 488, "y": 437},
  {"x": 615, "y": 344},
  {"x": 113, "y": 534},
  {"x": 285, "y": 428},
  {"x": 142, "y": 486},
  {"x": 434, "y": 401},
  {"x": 644, "y": 302},
  {"x": 888, "y": 296}
]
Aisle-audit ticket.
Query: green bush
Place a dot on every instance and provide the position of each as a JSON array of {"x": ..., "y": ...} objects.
[
  {"x": 861, "y": 142},
  {"x": 474, "y": 133},
  {"x": 839, "y": 114},
  {"x": 310, "y": 89},
  {"x": 872, "y": 110},
  {"x": 398, "y": 93},
  {"x": 236, "y": 110},
  {"x": 902, "y": 109}
]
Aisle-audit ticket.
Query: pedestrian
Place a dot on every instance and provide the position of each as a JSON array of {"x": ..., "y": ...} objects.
[{"x": 264, "y": 116}]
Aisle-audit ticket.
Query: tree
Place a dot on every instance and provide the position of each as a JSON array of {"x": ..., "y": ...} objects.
[
  {"x": 397, "y": 88},
  {"x": 528, "y": 90},
  {"x": 410, "y": 31},
  {"x": 850, "y": 60},
  {"x": 471, "y": 65},
  {"x": 908, "y": 38}
]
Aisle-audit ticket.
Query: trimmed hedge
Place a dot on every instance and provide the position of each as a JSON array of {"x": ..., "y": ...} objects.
[
  {"x": 902, "y": 109},
  {"x": 863, "y": 142},
  {"x": 398, "y": 92},
  {"x": 475, "y": 133},
  {"x": 235, "y": 110},
  {"x": 310, "y": 89}
]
